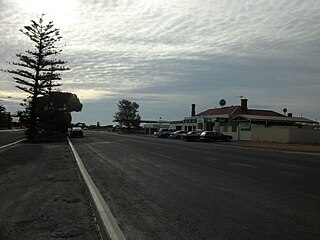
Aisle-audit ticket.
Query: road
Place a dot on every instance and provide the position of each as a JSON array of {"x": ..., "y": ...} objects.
[
  {"x": 169, "y": 189},
  {"x": 10, "y": 136}
]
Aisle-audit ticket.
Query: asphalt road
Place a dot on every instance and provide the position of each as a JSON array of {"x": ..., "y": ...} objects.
[
  {"x": 170, "y": 189},
  {"x": 10, "y": 136}
]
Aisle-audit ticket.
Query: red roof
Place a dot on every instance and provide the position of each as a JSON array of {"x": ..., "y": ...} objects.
[
  {"x": 234, "y": 111},
  {"x": 219, "y": 111},
  {"x": 274, "y": 118},
  {"x": 263, "y": 113}
]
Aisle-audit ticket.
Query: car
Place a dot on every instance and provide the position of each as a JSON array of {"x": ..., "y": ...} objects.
[
  {"x": 211, "y": 136},
  {"x": 193, "y": 135},
  {"x": 180, "y": 134},
  {"x": 165, "y": 132},
  {"x": 76, "y": 132}
]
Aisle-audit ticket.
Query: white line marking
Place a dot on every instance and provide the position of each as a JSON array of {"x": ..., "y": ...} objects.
[
  {"x": 108, "y": 220},
  {"x": 10, "y": 144}
]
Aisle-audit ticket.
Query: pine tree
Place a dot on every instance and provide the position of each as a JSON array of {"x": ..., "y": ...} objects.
[{"x": 39, "y": 70}]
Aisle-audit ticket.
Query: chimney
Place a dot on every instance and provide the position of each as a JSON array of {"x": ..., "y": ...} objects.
[
  {"x": 244, "y": 104},
  {"x": 289, "y": 114},
  {"x": 193, "y": 110}
]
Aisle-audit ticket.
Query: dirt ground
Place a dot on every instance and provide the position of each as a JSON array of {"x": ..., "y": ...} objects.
[
  {"x": 296, "y": 147},
  {"x": 41, "y": 196}
]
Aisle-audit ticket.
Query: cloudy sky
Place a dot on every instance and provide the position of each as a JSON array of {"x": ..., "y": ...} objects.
[{"x": 166, "y": 55}]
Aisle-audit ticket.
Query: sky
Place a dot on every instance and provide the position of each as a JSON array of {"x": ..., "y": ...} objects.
[{"x": 166, "y": 55}]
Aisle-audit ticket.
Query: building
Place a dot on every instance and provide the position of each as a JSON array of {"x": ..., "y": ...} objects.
[
  {"x": 244, "y": 123},
  {"x": 15, "y": 122},
  {"x": 151, "y": 127}
]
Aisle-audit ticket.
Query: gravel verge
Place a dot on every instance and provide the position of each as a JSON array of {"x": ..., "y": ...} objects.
[{"x": 41, "y": 194}]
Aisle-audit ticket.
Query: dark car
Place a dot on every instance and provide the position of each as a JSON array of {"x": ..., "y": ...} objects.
[
  {"x": 210, "y": 136},
  {"x": 76, "y": 132}
]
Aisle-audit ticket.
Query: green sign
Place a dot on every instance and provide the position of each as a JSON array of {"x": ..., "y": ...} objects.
[
  {"x": 222, "y": 120},
  {"x": 176, "y": 122},
  {"x": 200, "y": 120},
  {"x": 245, "y": 126},
  {"x": 184, "y": 121},
  {"x": 190, "y": 121},
  {"x": 209, "y": 120}
]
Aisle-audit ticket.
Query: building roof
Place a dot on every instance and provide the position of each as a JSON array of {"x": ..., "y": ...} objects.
[
  {"x": 273, "y": 118},
  {"x": 220, "y": 111},
  {"x": 263, "y": 113},
  {"x": 234, "y": 111}
]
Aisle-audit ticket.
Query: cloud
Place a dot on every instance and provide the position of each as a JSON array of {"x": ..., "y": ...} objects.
[{"x": 174, "y": 53}]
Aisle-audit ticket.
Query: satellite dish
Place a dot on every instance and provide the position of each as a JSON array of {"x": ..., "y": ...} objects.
[
  {"x": 222, "y": 103},
  {"x": 284, "y": 110}
]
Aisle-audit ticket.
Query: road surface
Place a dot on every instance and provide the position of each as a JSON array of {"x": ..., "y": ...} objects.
[
  {"x": 170, "y": 189},
  {"x": 10, "y": 136}
]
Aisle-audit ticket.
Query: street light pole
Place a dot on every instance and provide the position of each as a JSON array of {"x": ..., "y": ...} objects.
[{"x": 159, "y": 124}]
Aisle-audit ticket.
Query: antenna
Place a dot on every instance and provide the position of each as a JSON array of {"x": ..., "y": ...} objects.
[{"x": 241, "y": 97}]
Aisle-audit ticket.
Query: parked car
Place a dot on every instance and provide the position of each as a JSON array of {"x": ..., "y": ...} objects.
[
  {"x": 210, "y": 136},
  {"x": 76, "y": 132},
  {"x": 193, "y": 135},
  {"x": 165, "y": 132},
  {"x": 180, "y": 134}
]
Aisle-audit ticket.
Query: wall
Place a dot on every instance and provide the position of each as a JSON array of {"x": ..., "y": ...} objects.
[
  {"x": 245, "y": 135},
  {"x": 234, "y": 134},
  {"x": 270, "y": 134},
  {"x": 285, "y": 135}
]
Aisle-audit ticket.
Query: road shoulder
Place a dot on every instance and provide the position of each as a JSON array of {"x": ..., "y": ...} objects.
[{"x": 41, "y": 194}]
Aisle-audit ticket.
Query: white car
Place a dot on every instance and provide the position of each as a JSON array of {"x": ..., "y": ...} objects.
[
  {"x": 193, "y": 135},
  {"x": 76, "y": 132},
  {"x": 180, "y": 134},
  {"x": 165, "y": 132}
]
